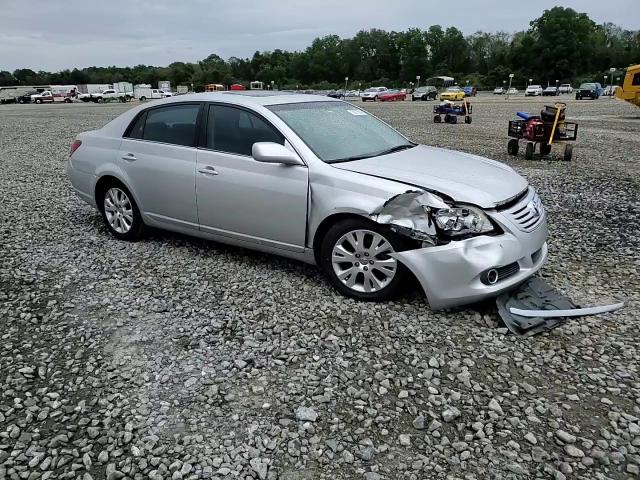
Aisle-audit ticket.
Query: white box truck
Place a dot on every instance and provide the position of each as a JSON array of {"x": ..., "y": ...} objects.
[{"x": 145, "y": 92}]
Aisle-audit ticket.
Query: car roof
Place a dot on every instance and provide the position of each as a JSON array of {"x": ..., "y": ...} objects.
[{"x": 250, "y": 97}]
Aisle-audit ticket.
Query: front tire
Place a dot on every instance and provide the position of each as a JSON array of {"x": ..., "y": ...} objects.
[
  {"x": 120, "y": 212},
  {"x": 354, "y": 254}
]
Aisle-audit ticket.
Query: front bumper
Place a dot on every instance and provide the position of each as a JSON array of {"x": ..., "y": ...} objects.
[{"x": 451, "y": 274}]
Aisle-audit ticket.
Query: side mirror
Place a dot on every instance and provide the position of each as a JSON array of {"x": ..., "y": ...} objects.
[{"x": 269, "y": 152}]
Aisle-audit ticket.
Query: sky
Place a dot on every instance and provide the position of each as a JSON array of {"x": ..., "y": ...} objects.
[{"x": 56, "y": 34}]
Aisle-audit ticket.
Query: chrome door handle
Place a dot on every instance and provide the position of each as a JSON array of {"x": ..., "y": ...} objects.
[
  {"x": 208, "y": 170},
  {"x": 129, "y": 157}
]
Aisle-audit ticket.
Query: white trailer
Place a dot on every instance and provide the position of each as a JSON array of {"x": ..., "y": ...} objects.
[
  {"x": 164, "y": 85},
  {"x": 94, "y": 87},
  {"x": 124, "y": 87}
]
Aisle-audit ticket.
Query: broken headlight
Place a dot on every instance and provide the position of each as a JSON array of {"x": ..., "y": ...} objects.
[{"x": 456, "y": 221}]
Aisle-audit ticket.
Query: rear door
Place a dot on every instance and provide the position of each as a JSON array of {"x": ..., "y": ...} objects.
[
  {"x": 240, "y": 197},
  {"x": 158, "y": 155}
]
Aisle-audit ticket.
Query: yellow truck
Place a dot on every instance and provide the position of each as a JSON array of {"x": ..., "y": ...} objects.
[{"x": 630, "y": 90}]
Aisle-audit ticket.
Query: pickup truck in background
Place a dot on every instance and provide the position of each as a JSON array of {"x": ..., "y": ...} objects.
[
  {"x": 105, "y": 96},
  {"x": 43, "y": 97},
  {"x": 566, "y": 88}
]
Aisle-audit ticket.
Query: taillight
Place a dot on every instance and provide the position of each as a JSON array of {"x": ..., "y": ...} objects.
[{"x": 75, "y": 145}]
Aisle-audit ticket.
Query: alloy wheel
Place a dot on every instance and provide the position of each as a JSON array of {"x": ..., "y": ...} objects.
[
  {"x": 118, "y": 210},
  {"x": 361, "y": 261}
]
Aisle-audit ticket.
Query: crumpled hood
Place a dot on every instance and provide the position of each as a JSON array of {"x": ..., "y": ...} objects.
[{"x": 461, "y": 176}]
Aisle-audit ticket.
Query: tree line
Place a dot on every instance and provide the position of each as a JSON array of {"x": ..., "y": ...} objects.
[{"x": 561, "y": 44}]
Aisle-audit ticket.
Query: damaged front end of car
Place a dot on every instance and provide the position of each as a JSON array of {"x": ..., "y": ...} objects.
[
  {"x": 463, "y": 253},
  {"x": 429, "y": 219}
]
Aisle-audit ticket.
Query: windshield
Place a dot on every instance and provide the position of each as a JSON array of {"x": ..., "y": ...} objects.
[
  {"x": 371, "y": 90},
  {"x": 453, "y": 89},
  {"x": 339, "y": 132},
  {"x": 588, "y": 85},
  {"x": 535, "y": 86}
]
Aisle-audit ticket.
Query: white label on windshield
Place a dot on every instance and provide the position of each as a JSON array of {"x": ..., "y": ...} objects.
[{"x": 356, "y": 112}]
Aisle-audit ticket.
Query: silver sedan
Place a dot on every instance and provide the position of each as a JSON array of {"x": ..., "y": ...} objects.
[{"x": 319, "y": 180}]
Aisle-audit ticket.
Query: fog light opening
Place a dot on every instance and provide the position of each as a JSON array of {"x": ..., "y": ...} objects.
[{"x": 492, "y": 276}]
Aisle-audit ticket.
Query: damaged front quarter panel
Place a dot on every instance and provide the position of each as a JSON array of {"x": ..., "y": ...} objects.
[{"x": 408, "y": 214}]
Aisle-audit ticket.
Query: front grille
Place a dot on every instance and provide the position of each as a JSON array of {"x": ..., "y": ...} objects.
[{"x": 528, "y": 213}]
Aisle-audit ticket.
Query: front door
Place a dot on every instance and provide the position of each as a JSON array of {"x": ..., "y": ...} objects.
[{"x": 240, "y": 197}]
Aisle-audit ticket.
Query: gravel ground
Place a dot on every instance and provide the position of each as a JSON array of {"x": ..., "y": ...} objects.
[{"x": 177, "y": 358}]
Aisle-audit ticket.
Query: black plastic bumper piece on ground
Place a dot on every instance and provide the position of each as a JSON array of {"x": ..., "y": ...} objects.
[{"x": 534, "y": 294}]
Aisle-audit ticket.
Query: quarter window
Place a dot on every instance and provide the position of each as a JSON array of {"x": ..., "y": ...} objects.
[
  {"x": 137, "y": 128},
  {"x": 636, "y": 79},
  {"x": 175, "y": 124},
  {"x": 235, "y": 130}
]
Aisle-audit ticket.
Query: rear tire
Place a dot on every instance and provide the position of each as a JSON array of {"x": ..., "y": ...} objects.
[
  {"x": 143, "y": 98},
  {"x": 467, "y": 119},
  {"x": 545, "y": 149},
  {"x": 38, "y": 100},
  {"x": 384, "y": 274},
  {"x": 120, "y": 212},
  {"x": 512, "y": 147},
  {"x": 568, "y": 153},
  {"x": 453, "y": 119},
  {"x": 528, "y": 153},
  {"x": 437, "y": 119}
]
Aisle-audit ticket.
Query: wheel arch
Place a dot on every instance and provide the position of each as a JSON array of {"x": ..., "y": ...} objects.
[
  {"x": 324, "y": 226},
  {"x": 103, "y": 181}
]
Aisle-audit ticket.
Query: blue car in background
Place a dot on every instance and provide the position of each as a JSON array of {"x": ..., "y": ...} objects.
[{"x": 470, "y": 91}]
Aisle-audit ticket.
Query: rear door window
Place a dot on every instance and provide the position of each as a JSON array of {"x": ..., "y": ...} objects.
[{"x": 174, "y": 124}]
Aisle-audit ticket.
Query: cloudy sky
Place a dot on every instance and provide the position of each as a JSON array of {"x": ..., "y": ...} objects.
[{"x": 56, "y": 34}]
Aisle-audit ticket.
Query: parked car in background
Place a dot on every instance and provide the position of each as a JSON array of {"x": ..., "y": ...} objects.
[
  {"x": 550, "y": 92},
  {"x": 470, "y": 91},
  {"x": 533, "y": 91},
  {"x": 499, "y": 91},
  {"x": 566, "y": 88},
  {"x": 425, "y": 93},
  {"x": 392, "y": 96},
  {"x": 336, "y": 94},
  {"x": 371, "y": 94},
  {"x": 43, "y": 97},
  {"x": 512, "y": 91},
  {"x": 452, "y": 94},
  {"x": 241, "y": 168},
  {"x": 589, "y": 90},
  {"x": 610, "y": 90}
]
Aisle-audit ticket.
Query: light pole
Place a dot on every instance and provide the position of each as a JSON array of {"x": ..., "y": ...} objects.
[
  {"x": 612, "y": 71},
  {"x": 510, "y": 80},
  {"x": 557, "y": 87},
  {"x": 272, "y": 82},
  {"x": 346, "y": 83},
  {"x": 530, "y": 80},
  {"x": 417, "y": 81}
]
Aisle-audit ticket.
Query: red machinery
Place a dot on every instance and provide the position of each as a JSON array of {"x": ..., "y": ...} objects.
[{"x": 544, "y": 130}]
